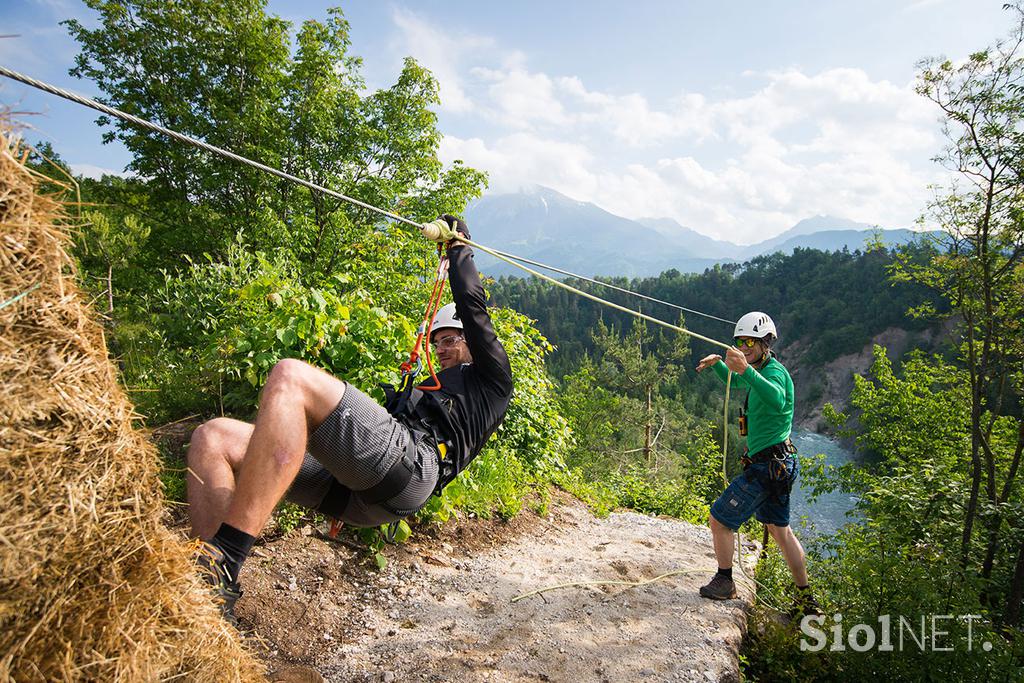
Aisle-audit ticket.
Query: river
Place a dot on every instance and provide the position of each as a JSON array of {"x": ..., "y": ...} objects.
[{"x": 828, "y": 512}]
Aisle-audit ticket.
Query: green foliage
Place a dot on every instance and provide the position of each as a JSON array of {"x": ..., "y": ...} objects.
[
  {"x": 534, "y": 430},
  {"x": 798, "y": 289},
  {"x": 496, "y": 482},
  {"x": 172, "y": 475},
  {"x": 113, "y": 244},
  {"x": 680, "y": 473},
  {"x": 980, "y": 272},
  {"x": 377, "y": 537},
  {"x": 595, "y": 493},
  {"x": 896, "y": 560},
  {"x": 634, "y": 489},
  {"x": 229, "y": 74},
  {"x": 289, "y": 516}
]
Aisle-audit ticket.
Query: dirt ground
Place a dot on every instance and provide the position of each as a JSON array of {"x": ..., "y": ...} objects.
[{"x": 442, "y": 609}]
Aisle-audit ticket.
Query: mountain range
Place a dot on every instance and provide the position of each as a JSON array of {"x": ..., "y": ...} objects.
[{"x": 546, "y": 226}]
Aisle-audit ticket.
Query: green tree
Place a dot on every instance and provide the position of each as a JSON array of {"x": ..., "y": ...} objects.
[
  {"x": 211, "y": 70},
  {"x": 225, "y": 72},
  {"x": 113, "y": 241},
  {"x": 979, "y": 270},
  {"x": 639, "y": 366}
]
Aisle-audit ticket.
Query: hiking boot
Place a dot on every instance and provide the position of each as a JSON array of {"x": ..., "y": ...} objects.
[
  {"x": 719, "y": 588},
  {"x": 212, "y": 567},
  {"x": 803, "y": 605}
]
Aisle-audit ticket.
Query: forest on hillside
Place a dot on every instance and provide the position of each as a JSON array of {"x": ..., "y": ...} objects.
[
  {"x": 831, "y": 302},
  {"x": 207, "y": 273}
]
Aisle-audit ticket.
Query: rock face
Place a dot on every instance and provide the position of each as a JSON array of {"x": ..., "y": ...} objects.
[
  {"x": 444, "y": 610},
  {"x": 834, "y": 382}
]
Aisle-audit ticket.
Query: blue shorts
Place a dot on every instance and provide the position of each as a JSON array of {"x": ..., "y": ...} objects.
[{"x": 747, "y": 495}]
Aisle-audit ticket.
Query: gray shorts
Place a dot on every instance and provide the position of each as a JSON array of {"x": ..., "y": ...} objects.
[{"x": 351, "y": 451}]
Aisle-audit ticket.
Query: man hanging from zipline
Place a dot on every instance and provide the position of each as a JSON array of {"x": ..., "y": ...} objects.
[
  {"x": 769, "y": 463},
  {"x": 320, "y": 442}
]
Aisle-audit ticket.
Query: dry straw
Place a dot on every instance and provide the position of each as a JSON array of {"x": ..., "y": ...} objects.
[{"x": 92, "y": 586}]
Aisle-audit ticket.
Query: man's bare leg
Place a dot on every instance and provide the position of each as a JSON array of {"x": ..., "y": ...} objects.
[
  {"x": 791, "y": 549},
  {"x": 723, "y": 539},
  {"x": 295, "y": 400},
  {"x": 721, "y": 586},
  {"x": 214, "y": 455}
]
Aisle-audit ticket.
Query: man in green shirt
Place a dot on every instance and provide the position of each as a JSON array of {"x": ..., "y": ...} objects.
[{"x": 769, "y": 463}]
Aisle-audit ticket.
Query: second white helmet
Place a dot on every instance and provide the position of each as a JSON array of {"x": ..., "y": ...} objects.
[
  {"x": 757, "y": 325},
  {"x": 446, "y": 317}
]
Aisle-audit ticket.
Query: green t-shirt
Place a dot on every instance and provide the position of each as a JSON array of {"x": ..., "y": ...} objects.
[{"x": 770, "y": 403}]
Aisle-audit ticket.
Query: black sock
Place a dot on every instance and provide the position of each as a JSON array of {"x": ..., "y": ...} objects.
[
  {"x": 235, "y": 544},
  {"x": 727, "y": 573},
  {"x": 804, "y": 589}
]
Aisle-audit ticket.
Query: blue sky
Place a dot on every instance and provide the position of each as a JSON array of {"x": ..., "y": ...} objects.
[{"x": 735, "y": 119}]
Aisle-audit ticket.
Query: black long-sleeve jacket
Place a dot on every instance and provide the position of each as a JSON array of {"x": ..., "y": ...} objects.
[{"x": 474, "y": 396}]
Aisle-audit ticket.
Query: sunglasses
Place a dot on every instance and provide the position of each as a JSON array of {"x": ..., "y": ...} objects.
[{"x": 749, "y": 343}]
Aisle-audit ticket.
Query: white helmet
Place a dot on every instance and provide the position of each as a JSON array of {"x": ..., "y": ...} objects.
[
  {"x": 757, "y": 325},
  {"x": 446, "y": 317}
]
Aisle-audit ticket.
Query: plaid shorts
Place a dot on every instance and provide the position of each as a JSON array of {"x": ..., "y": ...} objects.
[{"x": 355, "y": 447}]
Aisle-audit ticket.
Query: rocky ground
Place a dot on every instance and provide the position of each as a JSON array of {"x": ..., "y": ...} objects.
[{"x": 443, "y": 608}]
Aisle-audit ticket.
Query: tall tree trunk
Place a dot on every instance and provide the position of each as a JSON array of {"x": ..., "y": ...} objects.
[
  {"x": 1011, "y": 475},
  {"x": 1011, "y": 615},
  {"x": 647, "y": 430},
  {"x": 110, "y": 289},
  {"x": 972, "y": 504}
]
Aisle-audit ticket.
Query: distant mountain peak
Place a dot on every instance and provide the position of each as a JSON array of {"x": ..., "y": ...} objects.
[
  {"x": 540, "y": 223},
  {"x": 820, "y": 223}
]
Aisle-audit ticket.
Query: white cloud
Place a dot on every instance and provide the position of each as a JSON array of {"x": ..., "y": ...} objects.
[
  {"x": 737, "y": 164},
  {"x": 742, "y": 167},
  {"x": 95, "y": 172},
  {"x": 440, "y": 50},
  {"x": 521, "y": 99},
  {"x": 525, "y": 159}
]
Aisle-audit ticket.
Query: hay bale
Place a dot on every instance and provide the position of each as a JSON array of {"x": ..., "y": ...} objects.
[{"x": 92, "y": 585}]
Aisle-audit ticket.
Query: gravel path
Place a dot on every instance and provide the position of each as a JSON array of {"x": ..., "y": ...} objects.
[{"x": 437, "y": 614}]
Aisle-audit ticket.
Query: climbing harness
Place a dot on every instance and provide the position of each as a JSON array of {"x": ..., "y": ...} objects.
[
  {"x": 777, "y": 478},
  {"x": 743, "y": 415}
]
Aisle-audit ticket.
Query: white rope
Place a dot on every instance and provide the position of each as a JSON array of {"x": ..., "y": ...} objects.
[
  {"x": 587, "y": 295},
  {"x": 611, "y": 286},
  {"x": 117, "y": 113}
]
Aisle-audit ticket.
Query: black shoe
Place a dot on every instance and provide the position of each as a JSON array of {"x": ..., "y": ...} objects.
[
  {"x": 803, "y": 605},
  {"x": 719, "y": 588},
  {"x": 212, "y": 567}
]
